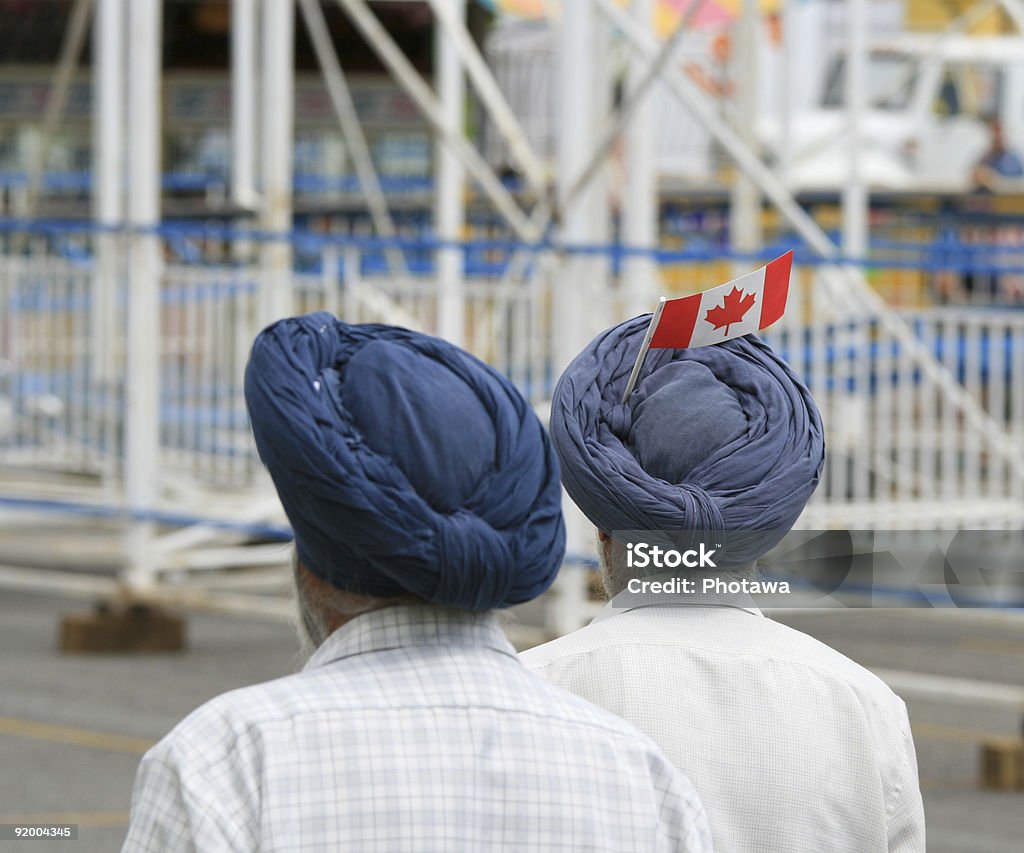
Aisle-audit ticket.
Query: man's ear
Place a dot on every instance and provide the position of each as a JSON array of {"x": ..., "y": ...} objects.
[{"x": 604, "y": 545}]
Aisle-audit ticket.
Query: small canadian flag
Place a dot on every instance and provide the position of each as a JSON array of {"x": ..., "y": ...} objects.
[
  {"x": 746, "y": 304},
  {"x": 743, "y": 305}
]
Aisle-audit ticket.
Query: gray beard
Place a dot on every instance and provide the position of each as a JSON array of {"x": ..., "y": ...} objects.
[{"x": 308, "y": 626}]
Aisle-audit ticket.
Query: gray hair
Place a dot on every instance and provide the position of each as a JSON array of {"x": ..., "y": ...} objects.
[
  {"x": 320, "y": 607},
  {"x": 616, "y": 573}
]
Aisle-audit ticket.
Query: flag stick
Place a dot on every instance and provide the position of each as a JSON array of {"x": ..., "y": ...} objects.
[{"x": 646, "y": 345}]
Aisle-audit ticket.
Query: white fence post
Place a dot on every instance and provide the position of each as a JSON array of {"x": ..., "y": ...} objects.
[
  {"x": 277, "y": 121},
  {"x": 142, "y": 397},
  {"x": 108, "y": 209},
  {"x": 243, "y": 102},
  {"x": 640, "y": 190},
  {"x": 451, "y": 176}
]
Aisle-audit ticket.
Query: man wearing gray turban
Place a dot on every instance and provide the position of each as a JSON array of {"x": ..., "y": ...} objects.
[
  {"x": 792, "y": 746},
  {"x": 423, "y": 493}
]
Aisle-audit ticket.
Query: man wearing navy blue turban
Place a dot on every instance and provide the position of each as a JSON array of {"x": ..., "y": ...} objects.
[
  {"x": 791, "y": 745},
  {"x": 423, "y": 493}
]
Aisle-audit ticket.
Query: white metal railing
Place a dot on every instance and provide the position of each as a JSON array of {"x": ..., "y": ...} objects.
[
  {"x": 58, "y": 413},
  {"x": 52, "y": 412},
  {"x": 208, "y": 321},
  {"x": 899, "y": 451}
]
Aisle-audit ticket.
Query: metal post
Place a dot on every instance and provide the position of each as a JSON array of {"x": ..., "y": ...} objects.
[
  {"x": 450, "y": 18},
  {"x": 345, "y": 109},
  {"x": 640, "y": 208},
  {"x": 599, "y": 193},
  {"x": 576, "y": 102},
  {"x": 449, "y": 208},
  {"x": 854, "y": 244},
  {"x": 108, "y": 186},
  {"x": 855, "y": 192},
  {"x": 745, "y": 207},
  {"x": 277, "y": 119},
  {"x": 24, "y": 200},
  {"x": 787, "y": 68},
  {"x": 352, "y": 263},
  {"x": 604, "y": 147},
  {"x": 142, "y": 404},
  {"x": 243, "y": 103},
  {"x": 57, "y": 97},
  {"x": 405, "y": 74}
]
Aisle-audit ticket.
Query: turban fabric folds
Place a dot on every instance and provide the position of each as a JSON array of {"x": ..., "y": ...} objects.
[
  {"x": 404, "y": 464},
  {"x": 716, "y": 439}
]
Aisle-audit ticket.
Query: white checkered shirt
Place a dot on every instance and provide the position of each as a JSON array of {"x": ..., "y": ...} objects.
[
  {"x": 792, "y": 746},
  {"x": 410, "y": 729}
]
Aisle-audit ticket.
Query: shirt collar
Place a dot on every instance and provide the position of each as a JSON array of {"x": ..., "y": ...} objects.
[
  {"x": 405, "y": 626},
  {"x": 613, "y": 609}
]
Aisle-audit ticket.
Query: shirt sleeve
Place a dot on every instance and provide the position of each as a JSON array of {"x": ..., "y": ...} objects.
[
  {"x": 906, "y": 812},
  {"x": 172, "y": 813},
  {"x": 684, "y": 823}
]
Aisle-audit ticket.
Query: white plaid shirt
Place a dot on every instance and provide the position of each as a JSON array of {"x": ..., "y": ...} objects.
[
  {"x": 792, "y": 746},
  {"x": 410, "y": 729}
]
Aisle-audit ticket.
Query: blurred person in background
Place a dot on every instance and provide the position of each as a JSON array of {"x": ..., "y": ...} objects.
[
  {"x": 999, "y": 166},
  {"x": 970, "y": 237},
  {"x": 998, "y": 162},
  {"x": 791, "y": 745},
  {"x": 423, "y": 493}
]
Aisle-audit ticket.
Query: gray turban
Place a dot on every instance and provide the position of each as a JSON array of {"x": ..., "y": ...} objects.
[{"x": 720, "y": 439}]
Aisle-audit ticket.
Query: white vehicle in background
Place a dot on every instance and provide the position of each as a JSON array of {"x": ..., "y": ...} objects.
[{"x": 928, "y": 97}]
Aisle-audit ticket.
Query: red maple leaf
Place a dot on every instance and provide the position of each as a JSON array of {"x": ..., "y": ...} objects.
[{"x": 735, "y": 304}]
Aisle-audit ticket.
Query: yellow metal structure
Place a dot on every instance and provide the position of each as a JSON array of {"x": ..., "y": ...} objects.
[{"x": 937, "y": 15}]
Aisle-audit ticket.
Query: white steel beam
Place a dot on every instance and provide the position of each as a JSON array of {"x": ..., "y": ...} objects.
[
  {"x": 57, "y": 97},
  {"x": 407, "y": 77},
  {"x": 640, "y": 202},
  {"x": 277, "y": 121},
  {"x": 577, "y": 103},
  {"x": 243, "y": 102},
  {"x": 142, "y": 394},
  {"x": 745, "y": 204},
  {"x": 60, "y": 583},
  {"x": 199, "y": 534},
  {"x": 451, "y": 17},
  {"x": 605, "y": 146},
  {"x": 787, "y": 73},
  {"x": 855, "y": 199},
  {"x": 108, "y": 66},
  {"x": 450, "y": 176},
  {"x": 352, "y": 130},
  {"x": 108, "y": 115},
  {"x": 577, "y": 108}
]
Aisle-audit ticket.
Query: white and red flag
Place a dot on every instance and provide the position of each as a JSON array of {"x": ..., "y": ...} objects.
[
  {"x": 751, "y": 302},
  {"x": 746, "y": 304}
]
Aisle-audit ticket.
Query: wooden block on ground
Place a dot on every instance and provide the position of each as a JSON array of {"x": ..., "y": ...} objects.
[
  {"x": 132, "y": 628},
  {"x": 1002, "y": 763}
]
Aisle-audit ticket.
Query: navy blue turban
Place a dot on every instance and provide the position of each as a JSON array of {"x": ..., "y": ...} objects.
[
  {"x": 404, "y": 464},
  {"x": 717, "y": 439}
]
